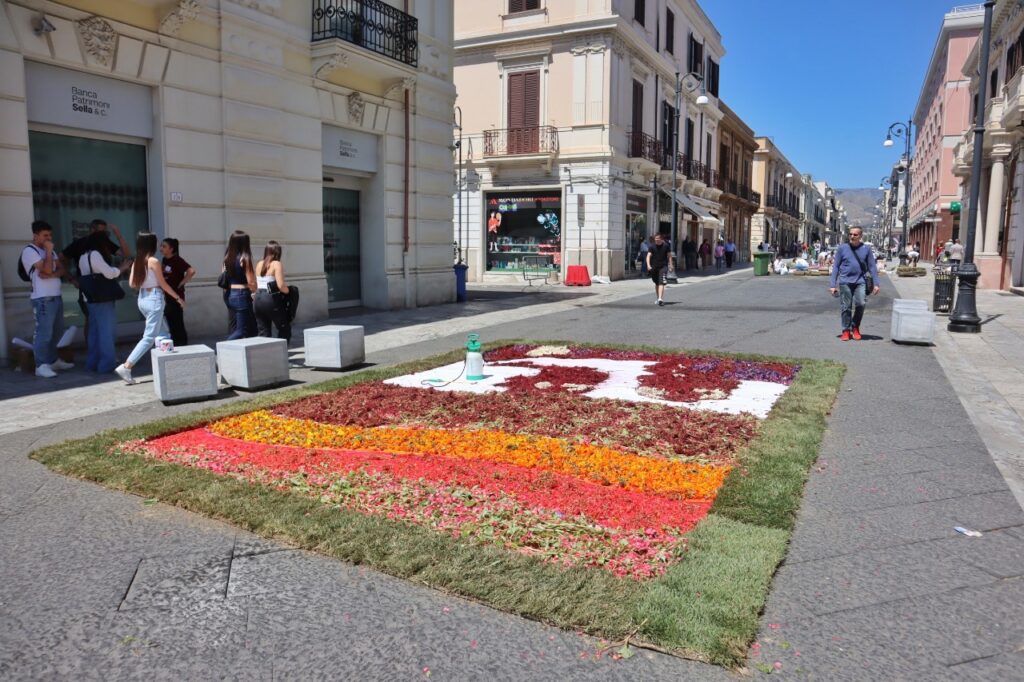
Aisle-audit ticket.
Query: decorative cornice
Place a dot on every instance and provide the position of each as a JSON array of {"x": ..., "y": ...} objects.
[
  {"x": 337, "y": 60},
  {"x": 406, "y": 83},
  {"x": 99, "y": 39},
  {"x": 187, "y": 10}
]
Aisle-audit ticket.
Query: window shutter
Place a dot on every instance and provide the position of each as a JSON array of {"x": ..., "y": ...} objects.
[
  {"x": 638, "y": 107},
  {"x": 531, "y": 99},
  {"x": 689, "y": 53},
  {"x": 639, "y": 11},
  {"x": 670, "y": 31},
  {"x": 516, "y": 6},
  {"x": 516, "y": 99}
]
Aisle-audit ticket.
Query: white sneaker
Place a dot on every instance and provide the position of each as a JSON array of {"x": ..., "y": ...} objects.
[
  {"x": 125, "y": 374},
  {"x": 60, "y": 364},
  {"x": 45, "y": 371}
]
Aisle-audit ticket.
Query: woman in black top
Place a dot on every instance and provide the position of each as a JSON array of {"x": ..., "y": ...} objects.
[
  {"x": 242, "y": 279},
  {"x": 178, "y": 273}
]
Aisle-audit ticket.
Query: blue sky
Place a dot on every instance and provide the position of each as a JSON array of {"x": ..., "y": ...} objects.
[{"x": 826, "y": 78}]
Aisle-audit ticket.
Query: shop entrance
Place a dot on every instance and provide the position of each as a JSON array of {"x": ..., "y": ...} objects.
[
  {"x": 524, "y": 231},
  {"x": 76, "y": 180},
  {"x": 341, "y": 247},
  {"x": 636, "y": 229}
]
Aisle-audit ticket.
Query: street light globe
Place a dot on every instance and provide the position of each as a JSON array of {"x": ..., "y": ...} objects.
[
  {"x": 789, "y": 174},
  {"x": 881, "y": 188},
  {"x": 888, "y": 142},
  {"x": 702, "y": 100}
]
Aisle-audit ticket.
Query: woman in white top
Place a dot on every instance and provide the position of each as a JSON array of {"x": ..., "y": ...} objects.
[
  {"x": 101, "y": 290},
  {"x": 148, "y": 278},
  {"x": 271, "y": 301}
]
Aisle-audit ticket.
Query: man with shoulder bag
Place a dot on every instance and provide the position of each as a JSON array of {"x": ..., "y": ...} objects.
[
  {"x": 854, "y": 278},
  {"x": 40, "y": 266}
]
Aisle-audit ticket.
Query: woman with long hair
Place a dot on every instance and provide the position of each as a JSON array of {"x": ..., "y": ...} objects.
[
  {"x": 178, "y": 273},
  {"x": 241, "y": 285},
  {"x": 148, "y": 277},
  {"x": 271, "y": 301}
]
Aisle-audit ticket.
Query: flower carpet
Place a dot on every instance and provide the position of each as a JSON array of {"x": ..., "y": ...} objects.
[{"x": 600, "y": 468}]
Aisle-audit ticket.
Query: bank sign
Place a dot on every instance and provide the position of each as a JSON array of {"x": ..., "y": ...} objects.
[
  {"x": 73, "y": 99},
  {"x": 349, "y": 149}
]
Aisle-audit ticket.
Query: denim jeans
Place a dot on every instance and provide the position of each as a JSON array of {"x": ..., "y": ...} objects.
[
  {"x": 102, "y": 327},
  {"x": 151, "y": 305},
  {"x": 851, "y": 304},
  {"x": 49, "y": 317},
  {"x": 240, "y": 303}
]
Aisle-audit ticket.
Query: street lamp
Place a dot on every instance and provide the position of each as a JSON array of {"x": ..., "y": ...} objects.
[
  {"x": 458, "y": 187},
  {"x": 906, "y": 131},
  {"x": 964, "y": 317},
  {"x": 702, "y": 99}
]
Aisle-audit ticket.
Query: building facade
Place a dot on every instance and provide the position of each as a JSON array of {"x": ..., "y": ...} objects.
[
  {"x": 777, "y": 220},
  {"x": 738, "y": 200},
  {"x": 940, "y": 119},
  {"x": 328, "y": 131},
  {"x": 568, "y": 122},
  {"x": 812, "y": 212},
  {"x": 999, "y": 235}
]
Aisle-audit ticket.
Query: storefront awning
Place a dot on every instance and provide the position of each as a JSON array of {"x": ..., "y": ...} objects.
[{"x": 695, "y": 209}]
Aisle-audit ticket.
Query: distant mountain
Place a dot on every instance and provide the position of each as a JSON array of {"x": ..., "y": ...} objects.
[{"x": 859, "y": 204}]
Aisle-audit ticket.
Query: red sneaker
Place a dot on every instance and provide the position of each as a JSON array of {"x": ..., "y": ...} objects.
[
  {"x": 845, "y": 336},
  {"x": 856, "y": 334}
]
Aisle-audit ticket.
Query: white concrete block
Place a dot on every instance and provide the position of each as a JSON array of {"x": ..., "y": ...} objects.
[
  {"x": 910, "y": 304},
  {"x": 334, "y": 346},
  {"x": 254, "y": 362},
  {"x": 184, "y": 373},
  {"x": 910, "y": 325}
]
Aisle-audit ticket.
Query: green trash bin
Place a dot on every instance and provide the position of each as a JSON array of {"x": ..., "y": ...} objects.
[{"x": 762, "y": 263}]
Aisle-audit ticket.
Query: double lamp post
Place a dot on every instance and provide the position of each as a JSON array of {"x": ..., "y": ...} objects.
[
  {"x": 906, "y": 131},
  {"x": 702, "y": 99}
]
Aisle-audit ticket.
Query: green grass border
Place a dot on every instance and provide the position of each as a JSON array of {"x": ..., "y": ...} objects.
[{"x": 705, "y": 608}]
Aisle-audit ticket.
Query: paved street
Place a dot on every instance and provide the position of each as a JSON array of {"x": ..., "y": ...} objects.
[{"x": 877, "y": 584}]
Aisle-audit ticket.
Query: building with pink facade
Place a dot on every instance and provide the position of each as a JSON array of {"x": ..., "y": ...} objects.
[{"x": 940, "y": 118}]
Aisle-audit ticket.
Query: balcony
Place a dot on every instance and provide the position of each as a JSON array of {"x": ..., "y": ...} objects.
[
  {"x": 536, "y": 145},
  {"x": 643, "y": 146},
  {"x": 372, "y": 26}
]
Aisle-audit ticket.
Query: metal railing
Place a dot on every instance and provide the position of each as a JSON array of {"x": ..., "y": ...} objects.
[
  {"x": 514, "y": 141},
  {"x": 643, "y": 146},
  {"x": 372, "y": 24}
]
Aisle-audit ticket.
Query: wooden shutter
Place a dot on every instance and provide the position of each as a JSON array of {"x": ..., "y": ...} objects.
[
  {"x": 638, "y": 107},
  {"x": 523, "y": 111},
  {"x": 522, "y": 5}
]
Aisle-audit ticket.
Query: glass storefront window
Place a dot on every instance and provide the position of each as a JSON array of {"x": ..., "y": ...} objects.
[
  {"x": 524, "y": 231},
  {"x": 341, "y": 245},
  {"x": 76, "y": 180}
]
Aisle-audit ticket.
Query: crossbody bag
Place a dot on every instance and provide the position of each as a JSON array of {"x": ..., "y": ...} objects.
[{"x": 869, "y": 281}]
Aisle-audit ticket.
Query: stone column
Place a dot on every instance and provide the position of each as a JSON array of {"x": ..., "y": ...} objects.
[
  {"x": 979, "y": 230},
  {"x": 996, "y": 189}
]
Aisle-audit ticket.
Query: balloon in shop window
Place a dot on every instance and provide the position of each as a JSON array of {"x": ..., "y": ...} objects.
[{"x": 541, "y": 218}]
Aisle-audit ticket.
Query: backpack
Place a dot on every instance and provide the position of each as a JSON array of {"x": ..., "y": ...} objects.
[{"x": 22, "y": 273}]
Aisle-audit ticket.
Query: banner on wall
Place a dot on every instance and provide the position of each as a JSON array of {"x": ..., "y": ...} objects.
[{"x": 74, "y": 99}]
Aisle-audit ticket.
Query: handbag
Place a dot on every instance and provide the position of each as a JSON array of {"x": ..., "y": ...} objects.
[
  {"x": 99, "y": 289},
  {"x": 869, "y": 281},
  {"x": 224, "y": 281}
]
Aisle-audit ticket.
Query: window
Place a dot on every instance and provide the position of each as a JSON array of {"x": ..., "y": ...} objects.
[
  {"x": 670, "y": 31},
  {"x": 689, "y": 138},
  {"x": 523, "y": 112},
  {"x": 707, "y": 152},
  {"x": 639, "y": 11},
  {"x": 638, "y": 107},
  {"x": 695, "y": 56},
  {"x": 712, "y": 77},
  {"x": 522, "y": 5},
  {"x": 993, "y": 83},
  {"x": 668, "y": 113}
]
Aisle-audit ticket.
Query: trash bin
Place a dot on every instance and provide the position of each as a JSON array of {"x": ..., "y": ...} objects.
[
  {"x": 945, "y": 285},
  {"x": 460, "y": 281},
  {"x": 762, "y": 263}
]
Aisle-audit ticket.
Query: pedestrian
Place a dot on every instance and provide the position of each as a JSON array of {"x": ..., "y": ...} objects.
[
  {"x": 241, "y": 280},
  {"x": 178, "y": 273},
  {"x": 72, "y": 253},
  {"x": 914, "y": 254},
  {"x": 853, "y": 261},
  {"x": 42, "y": 267},
  {"x": 147, "y": 276},
  {"x": 645, "y": 246},
  {"x": 98, "y": 285},
  {"x": 659, "y": 260},
  {"x": 956, "y": 253},
  {"x": 690, "y": 253},
  {"x": 271, "y": 301},
  {"x": 719, "y": 256},
  {"x": 705, "y": 254},
  {"x": 730, "y": 252}
]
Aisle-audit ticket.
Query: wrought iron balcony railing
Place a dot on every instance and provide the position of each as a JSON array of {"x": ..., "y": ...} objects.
[
  {"x": 516, "y": 141},
  {"x": 643, "y": 146},
  {"x": 372, "y": 24}
]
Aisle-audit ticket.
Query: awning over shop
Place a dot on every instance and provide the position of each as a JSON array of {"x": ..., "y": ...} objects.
[{"x": 693, "y": 208}]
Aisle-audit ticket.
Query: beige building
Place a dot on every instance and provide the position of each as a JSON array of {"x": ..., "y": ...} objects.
[
  {"x": 327, "y": 130},
  {"x": 736, "y": 147},
  {"x": 567, "y": 117},
  {"x": 777, "y": 221}
]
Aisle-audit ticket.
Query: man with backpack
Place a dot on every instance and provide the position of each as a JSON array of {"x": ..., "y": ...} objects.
[
  {"x": 854, "y": 277},
  {"x": 41, "y": 266}
]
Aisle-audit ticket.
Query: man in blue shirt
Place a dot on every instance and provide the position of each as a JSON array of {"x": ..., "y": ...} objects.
[{"x": 848, "y": 282}]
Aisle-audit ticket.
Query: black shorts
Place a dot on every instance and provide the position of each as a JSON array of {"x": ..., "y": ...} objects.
[{"x": 659, "y": 274}]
